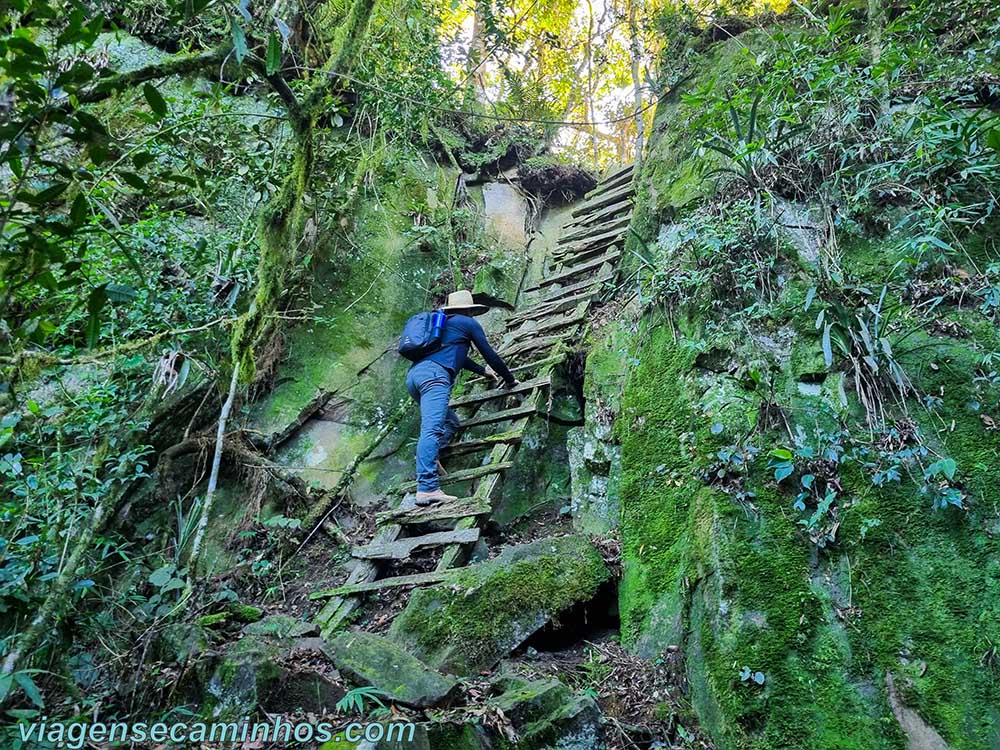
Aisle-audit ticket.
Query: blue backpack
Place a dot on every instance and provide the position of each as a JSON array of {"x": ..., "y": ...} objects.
[{"x": 422, "y": 335}]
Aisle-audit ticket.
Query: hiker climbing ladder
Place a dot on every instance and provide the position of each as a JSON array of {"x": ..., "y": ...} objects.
[{"x": 536, "y": 339}]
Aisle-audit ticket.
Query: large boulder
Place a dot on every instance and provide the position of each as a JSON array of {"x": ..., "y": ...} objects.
[
  {"x": 381, "y": 663},
  {"x": 483, "y": 612},
  {"x": 547, "y": 715},
  {"x": 277, "y": 674}
]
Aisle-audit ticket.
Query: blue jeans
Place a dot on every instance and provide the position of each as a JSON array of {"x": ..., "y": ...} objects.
[{"x": 430, "y": 384}]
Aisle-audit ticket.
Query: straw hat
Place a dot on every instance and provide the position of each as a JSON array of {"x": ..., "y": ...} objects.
[{"x": 461, "y": 302}]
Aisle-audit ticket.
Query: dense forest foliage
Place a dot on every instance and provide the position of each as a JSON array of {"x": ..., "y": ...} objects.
[{"x": 781, "y": 430}]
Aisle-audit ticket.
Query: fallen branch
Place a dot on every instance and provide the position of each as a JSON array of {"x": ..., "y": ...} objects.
[{"x": 213, "y": 479}]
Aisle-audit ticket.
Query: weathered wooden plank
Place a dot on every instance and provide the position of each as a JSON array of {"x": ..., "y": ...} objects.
[
  {"x": 587, "y": 284},
  {"x": 578, "y": 256},
  {"x": 615, "y": 225},
  {"x": 532, "y": 344},
  {"x": 472, "y": 446},
  {"x": 339, "y": 608},
  {"x": 550, "y": 326},
  {"x": 627, "y": 169},
  {"x": 550, "y": 308},
  {"x": 551, "y": 359},
  {"x": 600, "y": 235},
  {"x": 601, "y": 216},
  {"x": 457, "y": 476},
  {"x": 478, "y": 398},
  {"x": 569, "y": 273},
  {"x": 416, "y": 579},
  {"x": 469, "y": 506},
  {"x": 498, "y": 416},
  {"x": 403, "y": 548},
  {"x": 484, "y": 492},
  {"x": 603, "y": 200},
  {"x": 610, "y": 184}
]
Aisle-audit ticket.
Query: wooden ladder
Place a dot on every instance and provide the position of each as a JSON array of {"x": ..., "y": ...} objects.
[{"x": 536, "y": 339}]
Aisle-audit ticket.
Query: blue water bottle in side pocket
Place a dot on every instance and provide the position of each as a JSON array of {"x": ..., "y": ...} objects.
[{"x": 437, "y": 325}]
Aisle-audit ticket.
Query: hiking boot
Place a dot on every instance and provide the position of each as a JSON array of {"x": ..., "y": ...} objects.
[{"x": 434, "y": 496}]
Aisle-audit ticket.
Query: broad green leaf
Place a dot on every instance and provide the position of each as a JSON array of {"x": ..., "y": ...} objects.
[
  {"x": 134, "y": 180},
  {"x": 827, "y": 347},
  {"x": 239, "y": 40},
  {"x": 155, "y": 100},
  {"x": 95, "y": 303},
  {"x": 161, "y": 576},
  {"x": 993, "y": 139},
  {"x": 30, "y": 688},
  {"x": 78, "y": 213},
  {"x": 273, "y": 54}
]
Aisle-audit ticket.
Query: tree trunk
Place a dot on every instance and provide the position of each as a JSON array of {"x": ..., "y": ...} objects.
[{"x": 635, "y": 46}]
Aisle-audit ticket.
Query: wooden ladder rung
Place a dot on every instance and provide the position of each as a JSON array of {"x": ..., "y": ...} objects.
[
  {"x": 611, "y": 212},
  {"x": 403, "y": 548},
  {"x": 473, "y": 446},
  {"x": 602, "y": 200},
  {"x": 569, "y": 273},
  {"x": 550, "y": 326},
  {"x": 609, "y": 184},
  {"x": 615, "y": 225},
  {"x": 499, "y": 416},
  {"x": 468, "y": 506},
  {"x": 548, "y": 308},
  {"x": 572, "y": 289},
  {"x": 533, "y": 345},
  {"x": 482, "y": 396},
  {"x": 458, "y": 476},
  {"x": 386, "y": 583}
]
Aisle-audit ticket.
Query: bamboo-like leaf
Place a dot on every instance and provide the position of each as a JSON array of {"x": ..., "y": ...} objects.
[
  {"x": 827, "y": 347},
  {"x": 752, "y": 124}
]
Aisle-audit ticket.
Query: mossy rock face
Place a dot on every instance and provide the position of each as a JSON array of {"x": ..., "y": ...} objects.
[
  {"x": 481, "y": 613},
  {"x": 258, "y": 672},
  {"x": 547, "y": 715},
  {"x": 373, "y": 660}
]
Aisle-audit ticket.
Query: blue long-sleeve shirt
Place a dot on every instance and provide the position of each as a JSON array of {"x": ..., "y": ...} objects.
[{"x": 459, "y": 332}]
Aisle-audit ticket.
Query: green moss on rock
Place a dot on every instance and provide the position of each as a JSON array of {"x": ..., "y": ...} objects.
[{"x": 481, "y": 613}]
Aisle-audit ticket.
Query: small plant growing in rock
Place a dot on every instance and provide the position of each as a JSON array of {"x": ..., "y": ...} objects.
[
  {"x": 354, "y": 701},
  {"x": 751, "y": 677}
]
